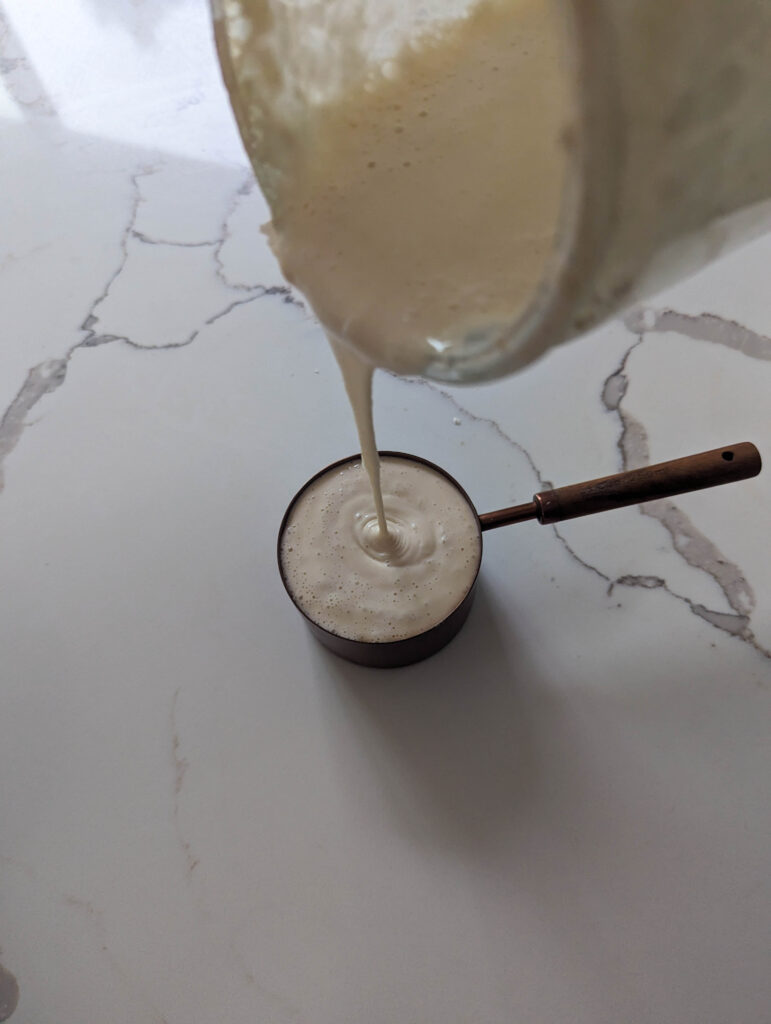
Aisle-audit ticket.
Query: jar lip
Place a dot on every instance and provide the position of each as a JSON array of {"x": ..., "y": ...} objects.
[{"x": 379, "y": 644}]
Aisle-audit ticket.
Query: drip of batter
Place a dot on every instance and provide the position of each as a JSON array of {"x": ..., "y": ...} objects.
[{"x": 357, "y": 377}]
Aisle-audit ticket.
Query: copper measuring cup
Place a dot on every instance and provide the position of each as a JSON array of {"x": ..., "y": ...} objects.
[{"x": 663, "y": 480}]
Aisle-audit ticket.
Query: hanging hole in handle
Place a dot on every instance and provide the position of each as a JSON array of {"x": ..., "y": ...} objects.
[{"x": 728, "y": 456}]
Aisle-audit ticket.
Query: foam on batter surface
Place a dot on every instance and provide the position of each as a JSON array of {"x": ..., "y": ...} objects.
[{"x": 355, "y": 583}]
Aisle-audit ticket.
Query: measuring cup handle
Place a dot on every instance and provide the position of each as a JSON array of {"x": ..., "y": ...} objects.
[
  {"x": 735, "y": 462},
  {"x": 693, "y": 473}
]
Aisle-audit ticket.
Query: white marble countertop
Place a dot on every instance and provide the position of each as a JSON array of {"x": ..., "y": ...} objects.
[{"x": 563, "y": 817}]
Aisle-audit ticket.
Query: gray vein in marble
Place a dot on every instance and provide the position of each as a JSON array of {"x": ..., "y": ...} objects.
[
  {"x": 694, "y": 547},
  {"x": 705, "y": 327},
  {"x": 485, "y": 421},
  {"x": 181, "y": 765},
  {"x": 142, "y": 237},
  {"x": 93, "y": 339},
  {"x": 577, "y": 558},
  {"x": 688, "y": 542},
  {"x": 288, "y": 297},
  {"x": 736, "y": 625},
  {"x": 190, "y": 101},
  {"x": 647, "y": 582},
  {"x": 259, "y": 292},
  {"x": 613, "y": 392},
  {"x": 543, "y": 484},
  {"x": 180, "y": 770},
  {"x": 701, "y": 553},
  {"x": 9, "y": 993},
  {"x": 41, "y": 380},
  {"x": 244, "y": 189},
  {"x": 95, "y": 919},
  {"x": 18, "y": 73},
  {"x": 91, "y": 319},
  {"x": 48, "y": 376},
  {"x": 289, "y": 1012}
]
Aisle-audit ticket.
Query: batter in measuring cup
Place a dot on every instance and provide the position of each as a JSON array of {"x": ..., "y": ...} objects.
[{"x": 346, "y": 579}]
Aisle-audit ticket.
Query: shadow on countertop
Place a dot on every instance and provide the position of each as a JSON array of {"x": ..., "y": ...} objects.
[{"x": 456, "y": 740}]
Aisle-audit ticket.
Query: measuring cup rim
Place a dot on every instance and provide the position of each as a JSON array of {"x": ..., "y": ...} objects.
[{"x": 425, "y": 642}]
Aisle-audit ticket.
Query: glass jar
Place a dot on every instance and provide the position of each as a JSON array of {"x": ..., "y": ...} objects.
[{"x": 629, "y": 128}]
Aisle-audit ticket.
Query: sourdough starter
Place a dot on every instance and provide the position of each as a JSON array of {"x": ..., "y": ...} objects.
[
  {"x": 345, "y": 577},
  {"x": 411, "y": 152}
]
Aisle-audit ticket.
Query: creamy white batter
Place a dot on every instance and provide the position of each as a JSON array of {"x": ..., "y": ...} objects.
[
  {"x": 345, "y": 578},
  {"x": 411, "y": 152},
  {"x": 357, "y": 377}
]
